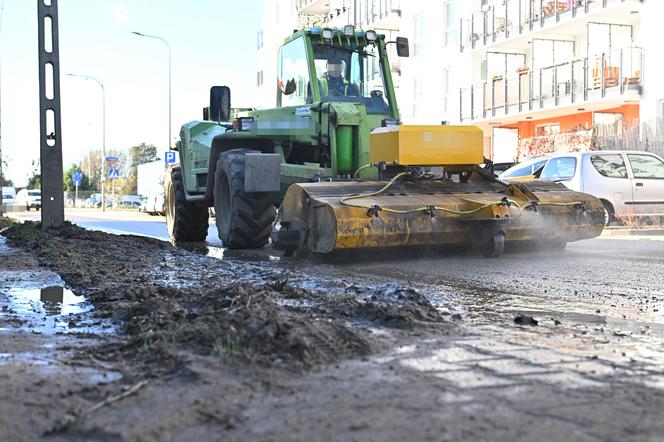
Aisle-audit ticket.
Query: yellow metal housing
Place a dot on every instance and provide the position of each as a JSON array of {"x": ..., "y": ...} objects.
[{"x": 427, "y": 145}]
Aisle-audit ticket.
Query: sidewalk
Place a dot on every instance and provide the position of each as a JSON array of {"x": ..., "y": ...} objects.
[{"x": 647, "y": 233}]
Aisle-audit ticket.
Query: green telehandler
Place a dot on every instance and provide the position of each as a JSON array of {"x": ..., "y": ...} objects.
[{"x": 331, "y": 166}]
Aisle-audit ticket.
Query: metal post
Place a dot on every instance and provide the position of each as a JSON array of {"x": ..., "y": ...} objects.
[
  {"x": 2, "y": 13},
  {"x": 603, "y": 67},
  {"x": 53, "y": 209},
  {"x": 507, "y": 33},
  {"x": 621, "y": 74},
  {"x": 103, "y": 129},
  {"x": 573, "y": 85},
  {"x": 168, "y": 146},
  {"x": 556, "y": 86}
]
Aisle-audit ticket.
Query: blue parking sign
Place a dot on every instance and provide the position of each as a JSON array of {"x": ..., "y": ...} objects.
[
  {"x": 77, "y": 178},
  {"x": 170, "y": 157}
]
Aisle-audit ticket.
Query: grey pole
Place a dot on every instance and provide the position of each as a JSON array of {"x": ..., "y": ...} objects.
[
  {"x": 168, "y": 146},
  {"x": 103, "y": 129},
  {"x": 52, "y": 195},
  {"x": 2, "y": 13}
]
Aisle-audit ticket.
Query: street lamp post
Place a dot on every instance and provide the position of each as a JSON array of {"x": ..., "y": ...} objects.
[
  {"x": 103, "y": 146},
  {"x": 140, "y": 34}
]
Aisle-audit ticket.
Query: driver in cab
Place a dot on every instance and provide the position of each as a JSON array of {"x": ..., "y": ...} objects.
[{"x": 332, "y": 82}]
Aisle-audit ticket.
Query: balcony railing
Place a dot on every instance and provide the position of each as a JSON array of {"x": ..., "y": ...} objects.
[
  {"x": 379, "y": 14},
  {"x": 516, "y": 17},
  {"x": 618, "y": 72}
]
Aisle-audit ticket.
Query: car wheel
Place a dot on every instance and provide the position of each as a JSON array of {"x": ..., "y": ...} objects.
[{"x": 608, "y": 213}]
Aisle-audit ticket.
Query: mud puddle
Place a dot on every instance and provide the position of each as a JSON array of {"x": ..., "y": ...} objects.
[{"x": 50, "y": 310}]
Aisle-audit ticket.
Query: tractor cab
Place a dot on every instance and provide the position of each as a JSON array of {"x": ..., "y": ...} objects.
[{"x": 337, "y": 65}]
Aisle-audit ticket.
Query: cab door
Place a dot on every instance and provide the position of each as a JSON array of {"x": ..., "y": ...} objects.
[{"x": 648, "y": 183}]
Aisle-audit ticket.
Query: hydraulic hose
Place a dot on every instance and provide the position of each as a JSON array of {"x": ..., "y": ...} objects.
[{"x": 427, "y": 209}]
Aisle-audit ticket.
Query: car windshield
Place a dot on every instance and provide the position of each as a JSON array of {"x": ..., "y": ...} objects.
[
  {"x": 345, "y": 75},
  {"x": 524, "y": 169},
  {"x": 34, "y": 193},
  {"x": 559, "y": 169}
]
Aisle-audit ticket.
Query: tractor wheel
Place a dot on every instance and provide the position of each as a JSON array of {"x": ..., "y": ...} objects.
[
  {"x": 244, "y": 219},
  {"x": 492, "y": 246},
  {"x": 186, "y": 221}
]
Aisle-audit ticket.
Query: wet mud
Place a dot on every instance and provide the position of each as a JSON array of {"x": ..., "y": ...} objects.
[
  {"x": 147, "y": 311},
  {"x": 209, "y": 344}
]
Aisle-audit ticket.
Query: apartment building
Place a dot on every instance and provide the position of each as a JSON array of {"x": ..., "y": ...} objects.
[
  {"x": 542, "y": 75},
  {"x": 281, "y": 17},
  {"x": 430, "y": 76}
]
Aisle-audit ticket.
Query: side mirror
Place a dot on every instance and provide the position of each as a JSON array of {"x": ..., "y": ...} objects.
[
  {"x": 220, "y": 103},
  {"x": 403, "y": 49}
]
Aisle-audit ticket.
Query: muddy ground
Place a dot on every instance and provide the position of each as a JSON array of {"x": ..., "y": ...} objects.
[
  {"x": 170, "y": 320},
  {"x": 172, "y": 344}
]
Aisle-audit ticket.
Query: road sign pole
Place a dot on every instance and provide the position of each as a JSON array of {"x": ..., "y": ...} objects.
[
  {"x": 76, "y": 194},
  {"x": 53, "y": 207}
]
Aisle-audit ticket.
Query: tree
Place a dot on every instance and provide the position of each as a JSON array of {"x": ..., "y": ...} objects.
[
  {"x": 91, "y": 167},
  {"x": 139, "y": 154},
  {"x": 4, "y": 181},
  {"x": 34, "y": 182},
  {"x": 69, "y": 181}
]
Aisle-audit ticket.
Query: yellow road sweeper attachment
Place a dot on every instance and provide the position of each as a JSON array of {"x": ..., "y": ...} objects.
[{"x": 428, "y": 190}]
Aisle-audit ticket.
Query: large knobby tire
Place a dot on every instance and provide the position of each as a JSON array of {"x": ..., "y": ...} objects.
[
  {"x": 244, "y": 219},
  {"x": 186, "y": 221}
]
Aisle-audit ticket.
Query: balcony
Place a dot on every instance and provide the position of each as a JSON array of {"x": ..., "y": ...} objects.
[
  {"x": 614, "y": 73},
  {"x": 380, "y": 14},
  {"x": 516, "y": 17},
  {"x": 312, "y": 7}
]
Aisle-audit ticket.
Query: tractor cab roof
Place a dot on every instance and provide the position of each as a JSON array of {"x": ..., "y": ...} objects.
[{"x": 345, "y": 37}]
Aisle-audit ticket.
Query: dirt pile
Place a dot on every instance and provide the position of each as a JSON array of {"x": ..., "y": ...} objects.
[{"x": 169, "y": 301}]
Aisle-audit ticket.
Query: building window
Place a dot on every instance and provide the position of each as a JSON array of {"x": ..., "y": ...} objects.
[
  {"x": 418, "y": 95},
  {"x": 418, "y": 34},
  {"x": 608, "y": 123},
  {"x": 259, "y": 78},
  {"x": 451, "y": 25},
  {"x": 547, "y": 129},
  {"x": 259, "y": 39}
]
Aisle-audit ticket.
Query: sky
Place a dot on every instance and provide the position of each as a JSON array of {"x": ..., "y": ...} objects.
[{"x": 213, "y": 42}]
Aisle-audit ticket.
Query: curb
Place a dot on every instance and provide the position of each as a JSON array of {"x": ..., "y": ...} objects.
[{"x": 632, "y": 232}]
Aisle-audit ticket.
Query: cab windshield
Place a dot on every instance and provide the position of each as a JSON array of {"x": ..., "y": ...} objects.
[{"x": 351, "y": 76}]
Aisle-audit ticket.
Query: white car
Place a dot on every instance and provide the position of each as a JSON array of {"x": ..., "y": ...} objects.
[
  {"x": 8, "y": 196},
  {"x": 629, "y": 183},
  {"x": 156, "y": 204},
  {"x": 30, "y": 198}
]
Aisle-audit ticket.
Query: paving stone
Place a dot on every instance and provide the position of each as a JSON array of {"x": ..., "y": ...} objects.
[
  {"x": 473, "y": 379},
  {"x": 567, "y": 379}
]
